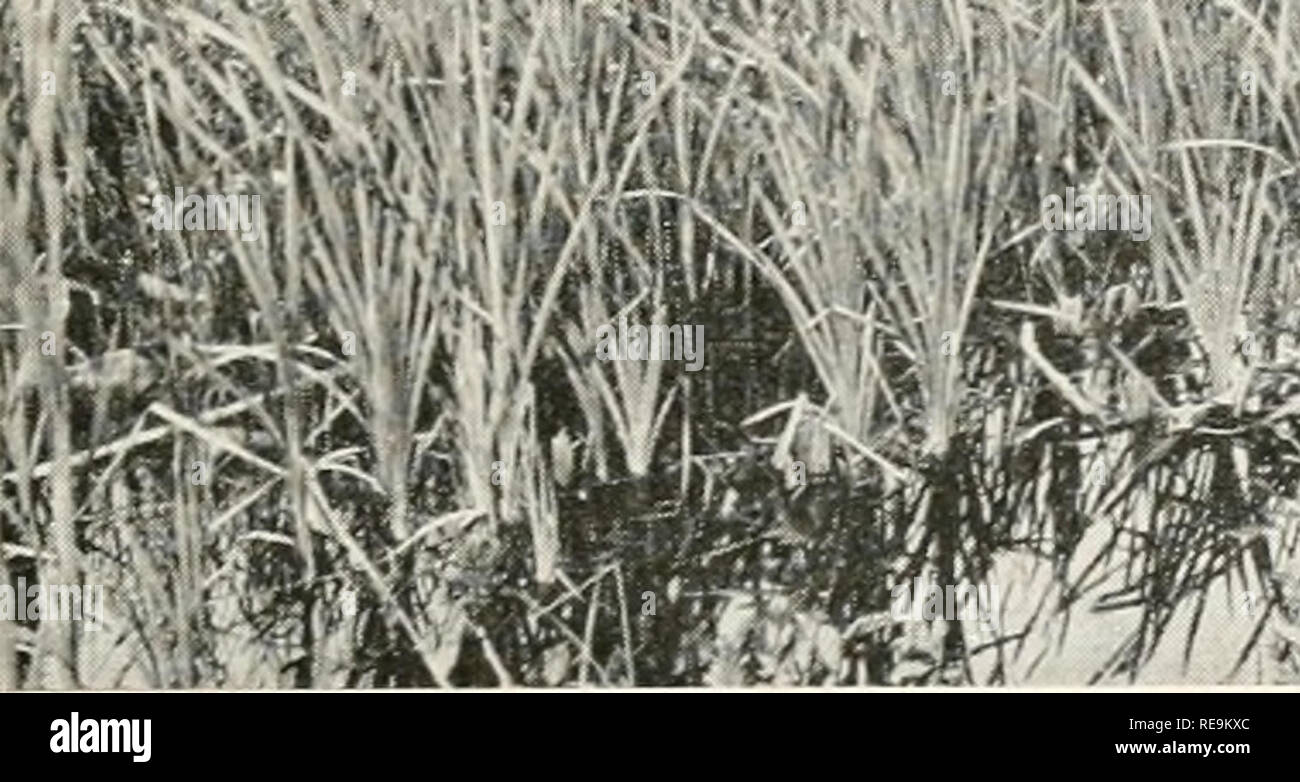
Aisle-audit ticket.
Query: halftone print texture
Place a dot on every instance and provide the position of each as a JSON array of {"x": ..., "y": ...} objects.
[{"x": 702, "y": 343}]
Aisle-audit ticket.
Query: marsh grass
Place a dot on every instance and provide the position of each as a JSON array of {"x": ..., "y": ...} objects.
[{"x": 394, "y": 391}]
